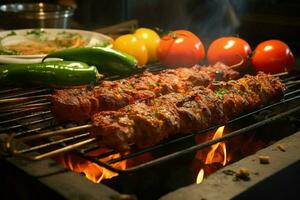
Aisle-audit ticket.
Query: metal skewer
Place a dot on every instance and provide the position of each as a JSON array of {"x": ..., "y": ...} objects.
[
  {"x": 58, "y": 132},
  {"x": 280, "y": 74},
  {"x": 34, "y": 148},
  {"x": 60, "y": 150}
]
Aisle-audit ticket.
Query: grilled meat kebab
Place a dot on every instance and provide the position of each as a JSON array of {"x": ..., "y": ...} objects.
[
  {"x": 80, "y": 104},
  {"x": 147, "y": 123}
]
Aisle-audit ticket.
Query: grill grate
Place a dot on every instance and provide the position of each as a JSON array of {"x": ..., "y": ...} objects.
[{"x": 26, "y": 119}]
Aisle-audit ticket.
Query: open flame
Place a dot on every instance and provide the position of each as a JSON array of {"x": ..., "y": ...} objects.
[
  {"x": 92, "y": 171},
  {"x": 216, "y": 154},
  {"x": 200, "y": 176}
]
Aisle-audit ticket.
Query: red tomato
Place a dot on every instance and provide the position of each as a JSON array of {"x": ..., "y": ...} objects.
[
  {"x": 273, "y": 56},
  {"x": 230, "y": 51},
  {"x": 180, "y": 48}
]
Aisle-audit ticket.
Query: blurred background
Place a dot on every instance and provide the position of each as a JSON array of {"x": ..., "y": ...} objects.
[{"x": 253, "y": 20}]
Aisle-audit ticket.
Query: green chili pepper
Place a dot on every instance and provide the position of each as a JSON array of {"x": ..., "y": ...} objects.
[
  {"x": 54, "y": 74},
  {"x": 106, "y": 60}
]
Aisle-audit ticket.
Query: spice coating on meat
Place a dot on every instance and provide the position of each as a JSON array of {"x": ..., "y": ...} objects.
[
  {"x": 147, "y": 123},
  {"x": 80, "y": 104}
]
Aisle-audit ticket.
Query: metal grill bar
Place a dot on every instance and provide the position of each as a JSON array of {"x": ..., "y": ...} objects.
[
  {"x": 292, "y": 92},
  {"x": 14, "y": 113},
  {"x": 293, "y": 77},
  {"x": 25, "y": 117},
  {"x": 36, "y": 130},
  {"x": 27, "y": 93},
  {"x": 13, "y": 100},
  {"x": 26, "y": 124},
  {"x": 266, "y": 108},
  {"x": 27, "y": 105},
  {"x": 10, "y": 90},
  {"x": 93, "y": 147}
]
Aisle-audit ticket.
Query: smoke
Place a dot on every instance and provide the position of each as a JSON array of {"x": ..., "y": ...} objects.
[{"x": 209, "y": 19}]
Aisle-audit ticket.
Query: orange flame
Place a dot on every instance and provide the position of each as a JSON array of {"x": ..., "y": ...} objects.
[
  {"x": 91, "y": 170},
  {"x": 216, "y": 154},
  {"x": 221, "y": 156}
]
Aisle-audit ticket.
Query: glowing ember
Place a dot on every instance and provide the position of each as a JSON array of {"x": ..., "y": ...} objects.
[
  {"x": 200, "y": 176},
  {"x": 91, "y": 170},
  {"x": 216, "y": 154}
]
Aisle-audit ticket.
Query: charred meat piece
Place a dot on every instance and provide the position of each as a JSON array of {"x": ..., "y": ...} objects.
[
  {"x": 147, "y": 123},
  {"x": 80, "y": 104}
]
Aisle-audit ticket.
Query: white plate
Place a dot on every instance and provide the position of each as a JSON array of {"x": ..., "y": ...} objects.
[{"x": 19, "y": 36}]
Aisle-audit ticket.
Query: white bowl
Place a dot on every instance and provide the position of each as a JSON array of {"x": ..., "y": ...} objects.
[{"x": 20, "y": 36}]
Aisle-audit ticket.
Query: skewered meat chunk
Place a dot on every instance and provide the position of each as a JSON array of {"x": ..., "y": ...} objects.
[
  {"x": 147, "y": 123},
  {"x": 80, "y": 104}
]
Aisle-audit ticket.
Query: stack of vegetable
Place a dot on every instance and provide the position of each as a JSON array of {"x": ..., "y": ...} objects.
[{"x": 180, "y": 48}]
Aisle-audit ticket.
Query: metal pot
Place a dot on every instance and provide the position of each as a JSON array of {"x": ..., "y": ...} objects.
[{"x": 35, "y": 15}]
